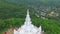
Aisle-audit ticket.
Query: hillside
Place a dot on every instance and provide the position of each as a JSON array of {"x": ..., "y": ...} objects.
[
  {"x": 14, "y": 14},
  {"x": 8, "y": 10},
  {"x": 39, "y": 5}
]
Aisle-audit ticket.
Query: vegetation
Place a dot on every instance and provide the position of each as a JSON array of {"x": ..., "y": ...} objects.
[
  {"x": 14, "y": 14},
  {"x": 8, "y": 10},
  {"x": 49, "y": 26}
]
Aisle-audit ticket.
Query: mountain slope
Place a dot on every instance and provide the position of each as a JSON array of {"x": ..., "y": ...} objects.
[
  {"x": 8, "y": 10},
  {"x": 14, "y": 14}
]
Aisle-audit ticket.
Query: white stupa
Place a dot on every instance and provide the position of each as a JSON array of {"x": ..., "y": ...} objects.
[{"x": 28, "y": 27}]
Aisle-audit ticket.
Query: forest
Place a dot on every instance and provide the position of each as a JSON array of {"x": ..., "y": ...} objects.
[{"x": 14, "y": 14}]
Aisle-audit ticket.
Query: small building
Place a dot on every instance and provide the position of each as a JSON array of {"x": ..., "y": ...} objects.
[{"x": 53, "y": 14}]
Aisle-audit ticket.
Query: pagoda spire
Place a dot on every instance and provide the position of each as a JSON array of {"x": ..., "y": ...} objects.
[{"x": 27, "y": 20}]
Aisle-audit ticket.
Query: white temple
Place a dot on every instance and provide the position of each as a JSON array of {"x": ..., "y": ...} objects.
[{"x": 28, "y": 27}]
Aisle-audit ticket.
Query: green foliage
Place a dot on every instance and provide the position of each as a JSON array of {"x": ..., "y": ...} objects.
[
  {"x": 8, "y": 10},
  {"x": 36, "y": 2},
  {"x": 49, "y": 26},
  {"x": 14, "y": 14},
  {"x": 6, "y": 23}
]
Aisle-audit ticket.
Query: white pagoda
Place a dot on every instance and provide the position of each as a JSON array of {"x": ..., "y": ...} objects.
[{"x": 28, "y": 27}]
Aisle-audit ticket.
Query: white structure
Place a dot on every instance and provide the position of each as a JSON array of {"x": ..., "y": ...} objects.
[{"x": 28, "y": 27}]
